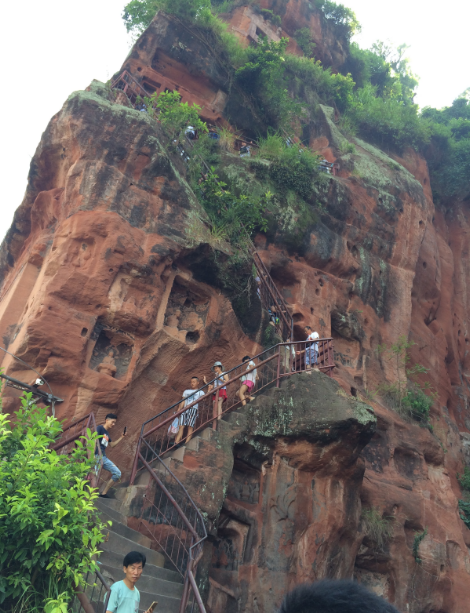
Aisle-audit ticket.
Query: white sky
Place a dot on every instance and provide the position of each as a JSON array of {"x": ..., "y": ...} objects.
[{"x": 58, "y": 47}]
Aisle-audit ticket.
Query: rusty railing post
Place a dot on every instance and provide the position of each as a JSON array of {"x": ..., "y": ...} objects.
[
  {"x": 215, "y": 409},
  {"x": 136, "y": 460},
  {"x": 278, "y": 365}
]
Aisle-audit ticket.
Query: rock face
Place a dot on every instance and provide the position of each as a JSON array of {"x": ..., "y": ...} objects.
[{"x": 108, "y": 291}]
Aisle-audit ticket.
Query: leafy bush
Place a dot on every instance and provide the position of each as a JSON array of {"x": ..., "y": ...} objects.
[
  {"x": 340, "y": 16},
  {"x": 49, "y": 531},
  {"x": 305, "y": 41},
  {"x": 464, "y": 479},
  {"x": 175, "y": 116},
  {"x": 234, "y": 215},
  {"x": 378, "y": 528},
  {"x": 293, "y": 167},
  {"x": 464, "y": 508},
  {"x": 270, "y": 16},
  {"x": 418, "y": 404}
]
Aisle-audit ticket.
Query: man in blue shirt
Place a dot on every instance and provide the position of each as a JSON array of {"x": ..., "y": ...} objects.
[
  {"x": 105, "y": 441},
  {"x": 125, "y": 597}
]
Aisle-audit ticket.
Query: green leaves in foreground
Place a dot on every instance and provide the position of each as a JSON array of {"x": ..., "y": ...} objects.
[{"x": 49, "y": 530}]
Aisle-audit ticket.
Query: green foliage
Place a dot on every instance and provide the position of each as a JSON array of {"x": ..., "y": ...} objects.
[
  {"x": 407, "y": 399},
  {"x": 464, "y": 508},
  {"x": 48, "y": 527},
  {"x": 417, "y": 404},
  {"x": 305, "y": 41},
  {"x": 416, "y": 543},
  {"x": 292, "y": 167},
  {"x": 176, "y": 116},
  {"x": 138, "y": 14},
  {"x": 272, "y": 17},
  {"x": 464, "y": 479},
  {"x": 233, "y": 215},
  {"x": 343, "y": 18},
  {"x": 263, "y": 77},
  {"x": 378, "y": 528},
  {"x": 448, "y": 155}
]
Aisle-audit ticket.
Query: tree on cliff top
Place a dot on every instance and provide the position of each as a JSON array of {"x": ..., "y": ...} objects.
[{"x": 48, "y": 527}]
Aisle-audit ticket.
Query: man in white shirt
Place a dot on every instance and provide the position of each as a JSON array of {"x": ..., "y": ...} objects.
[{"x": 188, "y": 418}]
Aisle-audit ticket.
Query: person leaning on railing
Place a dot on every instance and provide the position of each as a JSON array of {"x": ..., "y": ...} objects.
[
  {"x": 105, "y": 441},
  {"x": 311, "y": 348},
  {"x": 248, "y": 382},
  {"x": 219, "y": 385},
  {"x": 188, "y": 418}
]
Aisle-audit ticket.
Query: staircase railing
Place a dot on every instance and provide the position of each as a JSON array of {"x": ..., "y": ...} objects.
[
  {"x": 127, "y": 84},
  {"x": 169, "y": 515},
  {"x": 94, "y": 597}
]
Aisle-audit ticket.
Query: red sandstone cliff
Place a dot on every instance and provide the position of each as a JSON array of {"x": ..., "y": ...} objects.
[{"x": 101, "y": 258}]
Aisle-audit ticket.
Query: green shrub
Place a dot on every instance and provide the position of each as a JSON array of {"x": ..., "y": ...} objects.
[
  {"x": 175, "y": 116},
  {"x": 49, "y": 531},
  {"x": 464, "y": 479},
  {"x": 464, "y": 508},
  {"x": 305, "y": 41},
  {"x": 378, "y": 528},
  {"x": 418, "y": 404}
]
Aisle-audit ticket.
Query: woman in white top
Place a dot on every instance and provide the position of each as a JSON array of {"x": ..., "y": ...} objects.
[
  {"x": 248, "y": 381},
  {"x": 219, "y": 385}
]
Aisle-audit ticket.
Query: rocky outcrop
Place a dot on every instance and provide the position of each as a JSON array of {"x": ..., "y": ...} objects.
[{"x": 109, "y": 289}]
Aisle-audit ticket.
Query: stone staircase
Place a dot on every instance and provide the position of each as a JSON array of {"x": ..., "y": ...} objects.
[{"x": 156, "y": 583}]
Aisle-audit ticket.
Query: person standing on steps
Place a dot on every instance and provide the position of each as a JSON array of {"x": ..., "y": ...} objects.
[
  {"x": 188, "y": 418},
  {"x": 125, "y": 597},
  {"x": 248, "y": 382},
  {"x": 219, "y": 384},
  {"x": 311, "y": 348},
  {"x": 105, "y": 441}
]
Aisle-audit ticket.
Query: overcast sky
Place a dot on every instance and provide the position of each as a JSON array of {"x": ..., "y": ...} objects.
[{"x": 51, "y": 48}]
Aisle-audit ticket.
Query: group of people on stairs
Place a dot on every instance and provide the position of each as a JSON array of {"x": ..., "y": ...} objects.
[{"x": 182, "y": 427}]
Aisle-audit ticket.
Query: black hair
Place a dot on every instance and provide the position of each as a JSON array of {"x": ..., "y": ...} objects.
[
  {"x": 111, "y": 416},
  {"x": 134, "y": 557},
  {"x": 194, "y": 377},
  {"x": 308, "y": 328},
  {"x": 247, "y": 357},
  {"x": 334, "y": 597}
]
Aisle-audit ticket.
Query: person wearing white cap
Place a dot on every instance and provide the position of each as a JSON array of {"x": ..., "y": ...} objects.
[{"x": 219, "y": 384}]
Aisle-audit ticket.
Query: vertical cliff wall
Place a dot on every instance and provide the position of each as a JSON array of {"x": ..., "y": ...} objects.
[{"x": 101, "y": 293}]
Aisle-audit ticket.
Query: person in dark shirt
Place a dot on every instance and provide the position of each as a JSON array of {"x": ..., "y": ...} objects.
[{"x": 105, "y": 442}]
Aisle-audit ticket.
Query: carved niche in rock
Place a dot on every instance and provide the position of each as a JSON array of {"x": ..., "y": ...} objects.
[
  {"x": 186, "y": 312},
  {"x": 112, "y": 352}
]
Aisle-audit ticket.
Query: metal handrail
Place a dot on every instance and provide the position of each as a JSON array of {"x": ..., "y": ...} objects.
[
  {"x": 85, "y": 600},
  {"x": 169, "y": 514},
  {"x": 127, "y": 84}
]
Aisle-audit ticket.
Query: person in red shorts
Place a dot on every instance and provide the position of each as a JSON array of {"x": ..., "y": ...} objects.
[
  {"x": 219, "y": 384},
  {"x": 248, "y": 381}
]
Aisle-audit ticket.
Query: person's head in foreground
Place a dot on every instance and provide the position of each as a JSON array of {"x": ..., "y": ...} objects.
[
  {"x": 133, "y": 566},
  {"x": 334, "y": 597}
]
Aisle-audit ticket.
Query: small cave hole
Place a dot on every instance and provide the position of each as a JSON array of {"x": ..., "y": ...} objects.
[
  {"x": 192, "y": 337},
  {"x": 139, "y": 69},
  {"x": 320, "y": 282},
  {"x": 421, "y": 222},
  {"x": 84, "y": 331},
  {"x": 424, "y": 264},
  {"x": 187, "y": 302},
  {"x": 297, "y": 317},
  {"x": 351, "y": 295},
  {"x": 459, "y": 332},
  {"x": 98, "y": 306},
  {"x": 317, "y": 292},
  {"x": 354, "y": 392},
  {"x": 84, "y": 246},
  {"x": 366, "y": 321},
  {"x": 442, "y": 565},
  {"x": 311, "y": 310},
  {"x": 110, "y": 270}
]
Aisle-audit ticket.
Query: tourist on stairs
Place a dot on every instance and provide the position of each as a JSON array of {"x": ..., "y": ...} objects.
[
  {"x": 105, "y": 441},
  {"x": 219, "y": 384},
  {"x": 188, "y": 418},
  {"x": 311, "y": 348},
  {"x": 249, "y": 381},
  {"x": 125, "y": 597}
]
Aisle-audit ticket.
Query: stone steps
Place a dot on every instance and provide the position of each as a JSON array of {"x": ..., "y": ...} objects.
[{"x": 156, "y": 582}]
